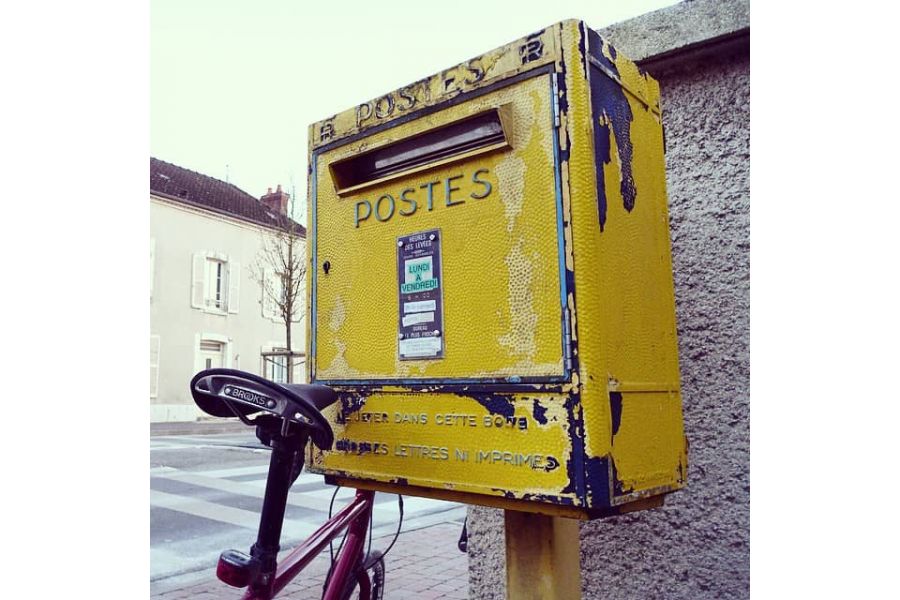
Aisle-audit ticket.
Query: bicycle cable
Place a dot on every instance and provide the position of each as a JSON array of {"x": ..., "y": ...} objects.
[
  {"x": 399, "y": 526},
  {"x": 371, "y": 521},
  {"x": 330, "y": 507},
  {"x": 331, "y": 544},
  {"x": 344, "y": 539}
]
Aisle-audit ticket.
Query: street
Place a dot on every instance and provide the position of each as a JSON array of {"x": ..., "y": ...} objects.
[{"x": 206, "y": 493}]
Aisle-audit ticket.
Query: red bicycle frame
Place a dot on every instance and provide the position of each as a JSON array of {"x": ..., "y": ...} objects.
[
  {"x": 356, "y": 515},
  {"x": 260, "y": 571},
  {"x": 289, "y": 423}
]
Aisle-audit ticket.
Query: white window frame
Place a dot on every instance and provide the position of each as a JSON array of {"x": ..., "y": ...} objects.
[
  {"x": 270, "y": 309},
  {"x": 227, "y": 348},
  {"x": 215, "y": 293},
  {"x": 276, "y": 364},
  {"x": 275, "y": 348},
  {"x": 267, "y": 350},
  {"x": 215, "y": 283}
]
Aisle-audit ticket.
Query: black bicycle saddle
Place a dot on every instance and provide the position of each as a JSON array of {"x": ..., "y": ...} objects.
[{"x": 225, "y": 392}]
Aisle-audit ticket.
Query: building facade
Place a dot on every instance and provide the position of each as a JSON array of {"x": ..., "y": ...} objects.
[
  {"x": 207, "y": 305},
  {"x": 698, "y": 544}
]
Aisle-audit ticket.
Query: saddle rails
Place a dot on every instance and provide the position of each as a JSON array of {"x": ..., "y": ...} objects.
[{"x": 491, "y": 288}]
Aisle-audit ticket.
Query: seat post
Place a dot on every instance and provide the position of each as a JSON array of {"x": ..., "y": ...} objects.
[{"x": 278, "y": 483}]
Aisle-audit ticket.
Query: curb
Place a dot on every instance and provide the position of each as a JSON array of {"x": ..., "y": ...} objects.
[{"x": 197, "y": 427}]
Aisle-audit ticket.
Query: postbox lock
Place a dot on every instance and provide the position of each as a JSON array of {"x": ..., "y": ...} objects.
[{"x": 326, "y": 266}]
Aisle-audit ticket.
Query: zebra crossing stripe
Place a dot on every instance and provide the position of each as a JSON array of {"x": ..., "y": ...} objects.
[
  {"x": 262, "y": 469},
  {"x": 292, "y": 529},
  {"x": 243, "y": 489},
  {"x": 317, "y": 500},
  {"x": 207, "y": 510}
]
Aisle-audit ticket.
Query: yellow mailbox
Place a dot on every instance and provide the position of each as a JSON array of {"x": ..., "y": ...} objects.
[{"x": 491, "y": 284}]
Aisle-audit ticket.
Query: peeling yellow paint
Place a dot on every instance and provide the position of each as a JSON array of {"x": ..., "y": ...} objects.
[
  {"x": 338, "y": 314},
  {"x": 448, "y": 469},
  {"x": 573, "y": 316},
  {"x": 563, "y": 135},
  {"x": 510, "y": 171},
  {"x": 481, "y": 334},
  {"x": 523, "y": 319},
  {"x": 501, "y": 292},
  {"x": 514, "y": 369}
]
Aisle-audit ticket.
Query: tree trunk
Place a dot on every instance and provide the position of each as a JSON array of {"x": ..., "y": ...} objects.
[
  {"x": 290, "y": 357},
  {"x": 288, "y": 284}
]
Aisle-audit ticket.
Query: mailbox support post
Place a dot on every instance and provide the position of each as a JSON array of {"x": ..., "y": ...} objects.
[{"x": 543, "y": 559}]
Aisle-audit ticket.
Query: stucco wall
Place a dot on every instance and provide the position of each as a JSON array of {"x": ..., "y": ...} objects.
[
  {"x": 179, "y": 232},
  {"x": 698, "y": 545}
]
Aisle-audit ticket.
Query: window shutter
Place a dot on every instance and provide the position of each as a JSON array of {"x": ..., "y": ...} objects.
[
  {"x": 268, "y": 304},
  {"x": 197, "y": 280},
  {"x": 152, "y": 263},
  {"x": 154, "y": 366},
  {"x": 234, "y": 285}
]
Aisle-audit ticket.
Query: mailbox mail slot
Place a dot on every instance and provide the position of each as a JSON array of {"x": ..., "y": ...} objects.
[{"x": 497, "y": 310}]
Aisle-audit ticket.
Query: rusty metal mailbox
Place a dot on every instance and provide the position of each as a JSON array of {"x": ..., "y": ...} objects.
[{"x": 491, "y": 284}]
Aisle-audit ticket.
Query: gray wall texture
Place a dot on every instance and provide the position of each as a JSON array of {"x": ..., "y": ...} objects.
[{"x": 698, "y": 545}]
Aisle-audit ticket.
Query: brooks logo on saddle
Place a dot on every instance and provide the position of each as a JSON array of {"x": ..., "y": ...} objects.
[{"x": 248, "y": 396}]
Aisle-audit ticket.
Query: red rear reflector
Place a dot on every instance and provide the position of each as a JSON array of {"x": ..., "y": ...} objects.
[{"x": 236, "y": 568}]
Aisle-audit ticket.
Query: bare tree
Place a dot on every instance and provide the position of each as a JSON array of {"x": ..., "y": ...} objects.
[{"x": 280, "y": 270}]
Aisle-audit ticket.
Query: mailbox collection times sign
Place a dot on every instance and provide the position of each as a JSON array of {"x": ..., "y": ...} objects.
[
  {"x": 497, "y": 309},
  {"x": 421, "y": 311}
]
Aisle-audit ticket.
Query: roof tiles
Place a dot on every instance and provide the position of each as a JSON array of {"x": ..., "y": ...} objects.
[{"x": 196, "y": 189}]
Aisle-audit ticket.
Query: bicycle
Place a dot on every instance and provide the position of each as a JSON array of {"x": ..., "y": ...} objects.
[{"x": 291, "y": 415}]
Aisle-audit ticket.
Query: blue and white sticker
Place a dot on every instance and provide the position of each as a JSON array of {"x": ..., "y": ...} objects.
[{"x": 421, "y": 317}]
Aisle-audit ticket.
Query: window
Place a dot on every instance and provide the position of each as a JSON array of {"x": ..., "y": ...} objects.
[
  {"x": 212, "y": 351},
  {"x": 276, "y": 364},
  {"x": 214, "y": 288},
  {"x": 272, "y": 301},
  {"x": 216, "y": 283},
  {"x": 273, "y": 296},
  {"x": 211, "y": 354}
]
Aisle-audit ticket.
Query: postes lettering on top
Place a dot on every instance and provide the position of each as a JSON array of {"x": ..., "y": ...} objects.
[
  {"x": 418, "y": 94},
  {"x": 407, "y": 201},
  {"x": 535, "y": 49}
]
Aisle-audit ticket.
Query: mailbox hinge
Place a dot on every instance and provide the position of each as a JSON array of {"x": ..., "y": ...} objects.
[{"x": 567, "y": 340}]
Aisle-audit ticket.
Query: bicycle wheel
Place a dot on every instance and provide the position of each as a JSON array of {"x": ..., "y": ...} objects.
[
  {"x": 368, "y": 584},
  {"x": 377, "y": 571}
]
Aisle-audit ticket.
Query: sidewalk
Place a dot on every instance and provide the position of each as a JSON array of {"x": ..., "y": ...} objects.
[{"x": 424, "y": 564}]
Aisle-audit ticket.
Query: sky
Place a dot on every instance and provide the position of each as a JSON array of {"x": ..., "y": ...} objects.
[{"x": 234, "y": 84}]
